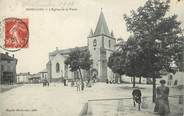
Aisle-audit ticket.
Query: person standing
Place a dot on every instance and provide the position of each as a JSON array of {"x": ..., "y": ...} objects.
[
  {"x": 162, "y": 101},
  {"x": 64, "y": 82},
  {"x": 72, "y": 83},
  {"x": 94, "y": 78},
  {"x": 78, "y": 85}
]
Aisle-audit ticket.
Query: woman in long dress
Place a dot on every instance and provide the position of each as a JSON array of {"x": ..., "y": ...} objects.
[{"x": 162, "y": 102}]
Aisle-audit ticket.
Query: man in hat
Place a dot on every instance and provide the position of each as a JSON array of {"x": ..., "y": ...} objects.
[{"x": 162, "y": 102}]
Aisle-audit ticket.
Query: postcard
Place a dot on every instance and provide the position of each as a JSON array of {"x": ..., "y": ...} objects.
[{"x": 91, "y": 58}]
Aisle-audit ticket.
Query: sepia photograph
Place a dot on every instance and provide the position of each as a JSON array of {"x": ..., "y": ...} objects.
[{"x": 92, "y": 58}]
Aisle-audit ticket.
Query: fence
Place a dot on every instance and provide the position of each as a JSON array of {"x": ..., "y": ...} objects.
[{"x": 125, "y": 107}]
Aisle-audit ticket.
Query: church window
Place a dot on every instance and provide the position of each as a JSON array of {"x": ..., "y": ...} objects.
[
  {"x": 94, "y": 42},
  {"x": 57, "y": 67},
  {"x": 109, "y": 43}
]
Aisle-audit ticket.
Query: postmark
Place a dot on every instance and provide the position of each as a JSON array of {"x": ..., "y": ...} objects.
[{"x": 15, "y": 33}]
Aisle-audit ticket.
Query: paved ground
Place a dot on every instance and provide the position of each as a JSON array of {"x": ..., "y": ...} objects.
[
  {"x": 58, "y": 100},
  {"x": 4, "y": 88}
]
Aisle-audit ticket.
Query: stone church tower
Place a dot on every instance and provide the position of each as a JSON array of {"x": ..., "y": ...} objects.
[{"x": 101, "y": 43}]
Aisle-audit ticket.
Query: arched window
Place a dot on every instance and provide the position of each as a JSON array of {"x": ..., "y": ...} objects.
[
  {"x": 57, "y": 67},
  {"x": 94, "y": 43}
]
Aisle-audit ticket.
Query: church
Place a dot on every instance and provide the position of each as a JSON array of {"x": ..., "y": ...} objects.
[{"x": 101, "y": 43}]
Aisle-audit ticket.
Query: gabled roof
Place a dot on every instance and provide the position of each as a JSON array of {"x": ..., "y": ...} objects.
[
  {"x": 37, "y": 75},
  {"x": 101, "y": 27},
  {"x": 66, "y": 51}
]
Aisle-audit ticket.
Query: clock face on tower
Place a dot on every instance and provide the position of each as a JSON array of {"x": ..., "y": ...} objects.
[{"x": 94, "y": 42}]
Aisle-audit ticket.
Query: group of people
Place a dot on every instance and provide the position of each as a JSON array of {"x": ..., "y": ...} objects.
[
  {"x": 110, "y": 81},
  {"x": 45, "y": 82},
  {"x": 162, "y": 102},
  {"x": 78, "y": 85}
]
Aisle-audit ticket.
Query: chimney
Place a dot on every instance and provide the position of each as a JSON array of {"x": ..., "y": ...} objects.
[
  {"x": 7, "y": 53},
  {"x": 56, "y": 48}
]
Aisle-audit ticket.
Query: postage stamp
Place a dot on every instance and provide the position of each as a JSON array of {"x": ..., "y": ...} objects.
[{"x": 16, "y": 33}]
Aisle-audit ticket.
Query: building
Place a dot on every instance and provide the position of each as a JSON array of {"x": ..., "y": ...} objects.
[
  {"x": 23, "y": 77},
  {"x": 174, "y": 79},
  {"x": 7, "y": 69},
  {"x": 43, "y": 75},
  {"x": 101, "y": 43},
  {"x": 35, "y": 78},
  {"x": 57, "y": 70}
]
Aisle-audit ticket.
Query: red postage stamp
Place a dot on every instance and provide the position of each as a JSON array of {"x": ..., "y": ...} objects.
[{"x": 16, "y": 33}]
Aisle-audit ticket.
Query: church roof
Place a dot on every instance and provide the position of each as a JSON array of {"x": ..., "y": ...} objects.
[
  {"x": 101, "y": 27},
  {"x": 66, "y": 51}
]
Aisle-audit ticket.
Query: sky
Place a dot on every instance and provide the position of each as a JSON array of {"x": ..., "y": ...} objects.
[{"x": 49, "y": 29}]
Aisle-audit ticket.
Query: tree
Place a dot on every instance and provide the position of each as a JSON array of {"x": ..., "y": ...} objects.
[
  {"x": 77, "y": 60},
  {"x": 180, "y": 56},
  {"x": 159, "y": 37},
  {"x": 115, "y": 63},
  {"x": 117, "y": 60},
  {"x": 133, "y": 64},
  {"x": 124, "y": 59}
]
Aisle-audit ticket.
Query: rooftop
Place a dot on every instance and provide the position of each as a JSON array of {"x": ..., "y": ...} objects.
[
  {"x": 23, "y": 74},
  {"x": 6, "y": 56},
  {"x": 65, "y": 51},
  {"x": 101, "y": 27}
]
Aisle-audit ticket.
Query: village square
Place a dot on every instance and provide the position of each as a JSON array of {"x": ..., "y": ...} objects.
[{"x": 141, "y": 75}]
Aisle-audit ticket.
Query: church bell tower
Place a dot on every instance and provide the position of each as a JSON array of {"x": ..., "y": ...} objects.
[{"x": 101, "y": 44}]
